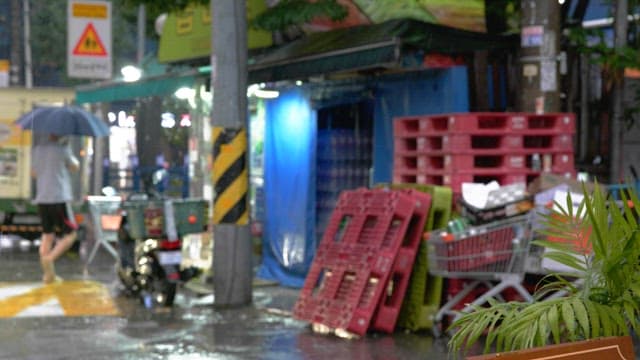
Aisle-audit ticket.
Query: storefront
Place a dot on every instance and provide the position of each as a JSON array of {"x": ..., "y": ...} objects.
[
  {"x": 155, "y": 122},
  {"x": 330, "y": 126}
]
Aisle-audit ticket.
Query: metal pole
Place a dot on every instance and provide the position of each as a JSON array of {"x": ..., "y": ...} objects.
[
  {"x": 232, "y": 265},
  {"x": 615, "y": 140},
  {"x": 540, "y": 42},
  {"x": 142, "y": 19},
  {"x": 585, "y": 68},
  {"x": 28, "y": 75}
]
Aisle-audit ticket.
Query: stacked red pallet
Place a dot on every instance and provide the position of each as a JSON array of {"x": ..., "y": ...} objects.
[
  {"x": 452, "y": 149},
  {"x": 362, "y": 266}
]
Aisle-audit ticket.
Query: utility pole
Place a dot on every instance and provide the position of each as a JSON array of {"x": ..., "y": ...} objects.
[
  {"x": 539, "y": 47},
  {"x": 232, "y": 265},
  {"x": 16, "y": 74},
  {"x": 26, "y": 16},
  {"x": 142, "y": 20},
  {"x": 615, "y": 138}
]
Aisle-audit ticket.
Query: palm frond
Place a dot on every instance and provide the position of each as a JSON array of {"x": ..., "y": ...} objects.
[{"x": 607, "y": 301}]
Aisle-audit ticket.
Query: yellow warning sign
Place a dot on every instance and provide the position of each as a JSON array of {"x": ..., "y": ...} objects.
[
  {"x": 65, "y": 298},
  {"x": 90, "y": 10},
  {"x": 89, "y": 43}
]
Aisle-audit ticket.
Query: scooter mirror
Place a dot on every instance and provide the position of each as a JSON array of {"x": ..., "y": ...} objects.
[{"x": 108, "y": 191}]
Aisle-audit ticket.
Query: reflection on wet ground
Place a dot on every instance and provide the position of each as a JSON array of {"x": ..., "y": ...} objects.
[{"x": 191, "y": 329}]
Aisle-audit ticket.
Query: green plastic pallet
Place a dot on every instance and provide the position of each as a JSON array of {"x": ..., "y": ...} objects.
[{"x": 422, "y": 299}]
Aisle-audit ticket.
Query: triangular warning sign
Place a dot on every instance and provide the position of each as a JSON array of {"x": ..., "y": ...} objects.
[{"x": 89, "y": 43}]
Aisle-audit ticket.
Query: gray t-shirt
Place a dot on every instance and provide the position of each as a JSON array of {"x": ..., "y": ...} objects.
[{"x": 53, "y": 184}]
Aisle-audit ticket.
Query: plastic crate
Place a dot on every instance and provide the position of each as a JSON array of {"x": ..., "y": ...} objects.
[
  {"x": 482, "y": 144},
  {"x": 455, "y": 179},
  {"x": 484, "y": 123},
  {"x": 190, "y": 215},
  {"x": 422, "y": 298},
  {"x": 461, "y": 162},
  {"x": 386, "y": 316},
  {"x": 354, "y": 260},
  {"x": 144, "y": 218}
]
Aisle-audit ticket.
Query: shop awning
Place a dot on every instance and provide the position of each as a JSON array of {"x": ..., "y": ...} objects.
[
  {"x": 120, "y": 90},
  {"x": 366, "y": 47},
  {"x": 343, "y": 50}
]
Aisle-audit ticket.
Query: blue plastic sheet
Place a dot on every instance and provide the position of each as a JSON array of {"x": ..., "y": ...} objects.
[{"x": 289, "y": 188}]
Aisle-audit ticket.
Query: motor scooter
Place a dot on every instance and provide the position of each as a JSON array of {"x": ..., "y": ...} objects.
[{"x": 150, "y": 244}]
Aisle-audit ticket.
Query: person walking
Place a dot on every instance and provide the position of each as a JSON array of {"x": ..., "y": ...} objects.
[{"x": 52, "y": 165}]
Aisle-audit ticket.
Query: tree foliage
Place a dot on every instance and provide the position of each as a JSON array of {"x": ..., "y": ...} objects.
[
  {"x": 612, "y": 61},
  {"x": 287, "y": 13}
]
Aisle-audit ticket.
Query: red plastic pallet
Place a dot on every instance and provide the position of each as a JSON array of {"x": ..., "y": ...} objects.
[
  {"x": 457, "y": 162},
  {"x": 502, "y": 162},
  {"x": 482, "y": 144},
  {"x": 389, "y": 308},
  {"x": 354, "y": 259},
  {"x": 479, "y": 123},
  {"x": 455, "y": 180}
]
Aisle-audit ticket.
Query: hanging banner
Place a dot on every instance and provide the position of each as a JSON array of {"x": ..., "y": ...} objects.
[{"x": 89, "y": 39}]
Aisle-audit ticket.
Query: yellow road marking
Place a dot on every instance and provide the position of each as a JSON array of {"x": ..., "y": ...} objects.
[{"x": 73, "y": 298}]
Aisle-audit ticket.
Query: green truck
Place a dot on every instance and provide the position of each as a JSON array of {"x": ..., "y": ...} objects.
[{"x": 17, "y": 213}]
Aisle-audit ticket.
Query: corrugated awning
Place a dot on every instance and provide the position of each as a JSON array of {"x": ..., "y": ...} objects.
[
  {"x": 342, "y": 50},
  {"x": 368, "y": 46},
  {"x": 120, "y": 90}
]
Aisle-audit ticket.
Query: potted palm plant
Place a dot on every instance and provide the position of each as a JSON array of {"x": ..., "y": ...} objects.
[{"x": 607, "y": 303}]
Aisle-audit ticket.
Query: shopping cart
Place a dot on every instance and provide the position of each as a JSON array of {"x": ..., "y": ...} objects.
[
  {"x": 491, "y": 256},
  {"x": 105, "y": 216}
]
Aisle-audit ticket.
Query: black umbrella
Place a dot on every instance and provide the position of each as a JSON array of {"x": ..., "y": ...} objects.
[{"x": 63, "y": 120}]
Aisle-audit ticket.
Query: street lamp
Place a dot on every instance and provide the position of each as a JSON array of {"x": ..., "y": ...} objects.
[{"x": 131, "y": 73}]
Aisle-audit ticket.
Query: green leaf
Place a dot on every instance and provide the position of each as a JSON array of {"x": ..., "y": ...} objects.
[
  {"x": 630, "y": 312},
  {"x": 479, "y": 327},
  {"x": 555, "y": 245},
  {"x": 594, "y": 319},
  {"x": 543, "y": 331},
  {"x": 635, "y": 288},
  {"x": 554, "y": 323},
  {"x": 605, "y": 320},
  {"x": 492, "y": 333},
  {"x": 581, "y": 314},
  {"x": 569, "y": 319},
  {"x": 567, "y": 260},
  {"x": 621, "y": 326},
  {"x": 532, "y": 332}
]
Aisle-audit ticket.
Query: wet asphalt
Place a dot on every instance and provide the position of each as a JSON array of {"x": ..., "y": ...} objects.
[{"x": 192, "y": 329}]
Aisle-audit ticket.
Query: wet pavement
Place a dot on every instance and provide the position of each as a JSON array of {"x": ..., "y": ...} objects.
[
  {"x": 191, "y": 329},
  {"x": 94, "y": 320}
]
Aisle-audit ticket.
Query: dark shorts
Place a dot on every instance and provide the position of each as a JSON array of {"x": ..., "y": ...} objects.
[{"x": 57, "y": 218}]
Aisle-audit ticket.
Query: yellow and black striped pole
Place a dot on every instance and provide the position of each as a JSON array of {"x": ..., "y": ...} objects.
[{"x": 230, "y": 177}]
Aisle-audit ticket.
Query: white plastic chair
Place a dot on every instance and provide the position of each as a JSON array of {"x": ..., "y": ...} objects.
[{"x": 104, "y": 212}]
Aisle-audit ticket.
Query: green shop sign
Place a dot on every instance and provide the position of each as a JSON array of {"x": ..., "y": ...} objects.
[{"x": 187, "y": 35}]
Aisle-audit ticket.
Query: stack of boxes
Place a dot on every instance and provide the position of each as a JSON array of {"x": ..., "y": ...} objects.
[
  {"x": 451, "y": 149},
  {"x": 343, "y": 162}
]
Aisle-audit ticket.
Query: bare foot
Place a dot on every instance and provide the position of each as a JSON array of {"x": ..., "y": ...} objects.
[{"x": 49, "y": 271}]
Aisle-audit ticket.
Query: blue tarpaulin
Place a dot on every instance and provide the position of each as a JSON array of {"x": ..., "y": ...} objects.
[{"x": 289, "y": 188}]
